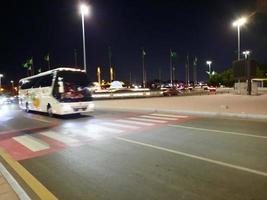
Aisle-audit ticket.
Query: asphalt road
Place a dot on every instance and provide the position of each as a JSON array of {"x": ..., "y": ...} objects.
[{"x": 122, "y": 155}]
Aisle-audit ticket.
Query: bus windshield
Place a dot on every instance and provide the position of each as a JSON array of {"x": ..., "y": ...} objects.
[{"x": 71, "y": 86}]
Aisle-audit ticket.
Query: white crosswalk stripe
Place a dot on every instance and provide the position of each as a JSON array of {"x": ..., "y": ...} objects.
[
  {"x": 100, "y": 128},
  {"x": 60, "y": 137},
  {"x": 134, "y": 122},
  {"x": 32, "y": 143},
  {"x": 120, "y": 125},
  {"x": 158, "y": 117},
  {"x": 147, "y": 120},
  {"x": 169, "y": 115}
]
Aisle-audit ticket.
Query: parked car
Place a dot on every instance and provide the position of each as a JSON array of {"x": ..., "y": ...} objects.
[{"x": 170, "y": 92}]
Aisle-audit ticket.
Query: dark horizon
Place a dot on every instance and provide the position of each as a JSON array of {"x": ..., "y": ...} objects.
[{"x": 202, "y": 29}]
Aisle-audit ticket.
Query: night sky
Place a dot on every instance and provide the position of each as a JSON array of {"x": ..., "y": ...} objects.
[{"x": 203, "y": 29}]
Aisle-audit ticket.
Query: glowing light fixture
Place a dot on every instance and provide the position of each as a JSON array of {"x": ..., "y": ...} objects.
[
  {"x": 84, "y": 10},
  {"x": 208, "y": 62}
]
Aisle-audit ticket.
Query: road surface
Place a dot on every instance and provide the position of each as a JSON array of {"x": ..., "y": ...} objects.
[{"x": 141, "y": 155}]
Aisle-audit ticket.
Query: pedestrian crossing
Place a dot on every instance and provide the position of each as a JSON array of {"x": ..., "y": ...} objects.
[
  {"x": 32, "y": 143},
  {"x": 134, "y": 122},
  {"x": 147, "y": 120},
  {"x": 120, "y": 125},
  {"x": 59, "y": 137},
  {"x": 65, "y": 136},
  {"x": 169, "y": 115}
]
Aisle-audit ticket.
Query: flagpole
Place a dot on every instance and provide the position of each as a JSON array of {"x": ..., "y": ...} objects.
[
  {"x": 159, "y": 73},
  {"x": 171, "y": 66},
  {"x": 185, "y": 72},
  {"x": 130, "y": 78},
  {"x": 75, "y": 58},
  {"x": 195, "y": 70},
  {"x": 32, "y": 68},
  {"x": 109, "y": 56},
  {"x": 188, "y": 70},
  {"x": 110, "y": 67},
  {"x": 143, "y": 60}
]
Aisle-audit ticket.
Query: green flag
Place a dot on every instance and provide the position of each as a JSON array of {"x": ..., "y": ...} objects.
[
  {"x": 30, "y": 61},
  {"x": 47, "y": 57},
  {"x": 25, "y": 65},
  {"x": 173, "y": 54}
]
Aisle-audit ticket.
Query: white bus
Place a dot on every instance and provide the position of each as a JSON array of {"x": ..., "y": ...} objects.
[{"x": 60, "y": 91}]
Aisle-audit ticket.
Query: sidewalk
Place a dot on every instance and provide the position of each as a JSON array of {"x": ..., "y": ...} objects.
[
  {"x": 220, "y": 105},
  {"x": 6, "y": 192}
]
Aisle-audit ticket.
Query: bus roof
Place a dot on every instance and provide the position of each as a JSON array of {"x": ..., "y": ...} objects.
[{"x": 52, "y": 71}]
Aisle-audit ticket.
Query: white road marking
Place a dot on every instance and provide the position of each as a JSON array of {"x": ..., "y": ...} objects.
[
  {"x": 100, "y": 128},
  {"x": 253, "y": 171},
  {"x": 120, "y": 125},
  {"x": 147, "y": 120},
  {"x": 134, "y": 122},
  {"x": 158, "y": 117},
  {"x": 169, "y": 115},
  {"x": 219, "y": 131},
  {"x": 31, "y": 143},
  {"x": 59, "y": 137}
]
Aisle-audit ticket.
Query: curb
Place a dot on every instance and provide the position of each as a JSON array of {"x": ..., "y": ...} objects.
[{"x": 195, "y": 113}]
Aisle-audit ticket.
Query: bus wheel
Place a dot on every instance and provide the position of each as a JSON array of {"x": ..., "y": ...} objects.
[
  {"x": 49, "y": 110},
  {"x": 27, "y": 107}
]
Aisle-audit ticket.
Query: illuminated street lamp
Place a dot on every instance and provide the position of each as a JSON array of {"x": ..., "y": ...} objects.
[
  {"x": 238, "y": 23},
  {"x": 246, "y": 53},
  {"x": 84, "y": 10},
  {"x": 209, "y": 64},
  {"x": 1, "y": 76}
]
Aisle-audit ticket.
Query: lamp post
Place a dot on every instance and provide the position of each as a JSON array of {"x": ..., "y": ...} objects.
[
  {"x": 1, "y": 76},
  {"x": 238, "y": 23},
  {"x": 248, "y": 71},
  {"x": 209, "y": 64},
  {"x": 84, "y": 9}
]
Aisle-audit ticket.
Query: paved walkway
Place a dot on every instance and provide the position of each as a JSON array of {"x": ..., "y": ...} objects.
[{"x": 6, "y": 191}]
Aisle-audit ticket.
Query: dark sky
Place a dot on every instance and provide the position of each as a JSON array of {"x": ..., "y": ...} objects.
[{"x": 201, "y": 28}]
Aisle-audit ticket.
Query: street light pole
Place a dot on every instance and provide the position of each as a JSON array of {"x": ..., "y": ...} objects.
[
  {"x": 84, "y": 9},
  {"x": 238, "y": 23},
  {"x": 238, "y": 42},
  {"x": 248, "y": 70}
]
